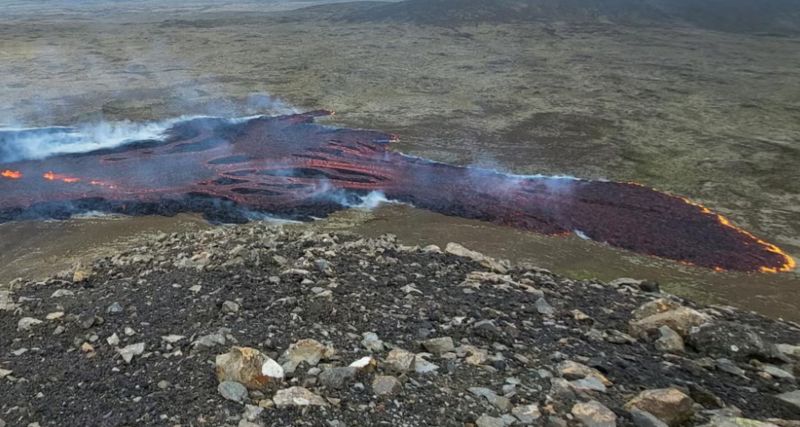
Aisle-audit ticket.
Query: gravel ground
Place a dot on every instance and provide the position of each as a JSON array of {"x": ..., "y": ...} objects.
[{"x": 452, "y": 338}]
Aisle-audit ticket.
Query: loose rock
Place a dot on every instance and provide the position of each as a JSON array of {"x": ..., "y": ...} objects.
[
  {"x": 669, "y": 405},
  {"x": 594, "y": 414},
  {"x": 297, "y": 396}
]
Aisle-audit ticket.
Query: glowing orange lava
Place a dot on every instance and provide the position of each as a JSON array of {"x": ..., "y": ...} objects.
[
  {"x": 51, "y": 176},
  {"x": 789, "y": 262},
  {"x": 102, "y": 184},
  {"x": 7, "y": 173}
]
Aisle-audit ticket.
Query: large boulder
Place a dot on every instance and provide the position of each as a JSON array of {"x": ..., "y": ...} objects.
[
  {"x": 594, "y": 414},
  {"x": 735, "y": 341},
  {"x": 669, "y": 405},
  {"x": 501, "y": 267},
  {"x": 297, "y": 397},
  {"x": 680, "y": 320},
  {"x": 248, "y": 367},
  {"x": 309, "y": 351}
]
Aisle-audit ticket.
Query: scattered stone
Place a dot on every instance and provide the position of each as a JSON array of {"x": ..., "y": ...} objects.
[
  {"x": 309, "y": 351},
  {"x": 730, "y": 421},
  {"x": 385, "y": 385},
  {"x": 588, "y": 384},
  {"x": 422, "y": 366},
  {"x": 726, "y": 365},
  {"x": 115, "y": 308},
  {"x": 777, "y": 372},
  {"x": 594, "y": 414},
  {"x": 364, "y": 365},
  {"x": 789, "y": 350},
  {"x": 6, "y": 303},
  {"x": 681, "y": 320},
  {"x": 625, "y": 281},
  {"x": 5, "y": 372},
  {"x": 526, "y": 414},
  {"x": 249, "y": 367},
  {"x": 337, "y": 378},
  {"x": 669, "y": 405},
  {"x": 128, "y": 352},
  {"x": 487, "y": 421},
  {"x": 232, "y": 390},
  {"x": 297, "y": 396},
  {"x": 60, "y": 293},
  {"x": 500, "y": 402},
  {"x": 656, "y": 306},
  {"x": 439, "y": 345},
  {"x": 371, "y": 342},
  {"x": 81, "y": 273},
  {"x": 646, "y": 419},
  {"x": 230, "y": 307},
  {"x": 113, "y": 340},
  {"x": 172, "y": 339},
  {"x": 734, "y": 340},
  {"x": 543, "y": 307},
  {"x": 55, "y": 315},
  {"x": 399, "y": 360},
  {"x": 476, "y": 356},
  {"x": 571, "y": 370},
  {"x": 670, "y": 341},
  {"x": 27, "y": 323},
  {"x": 206, "y": 341},
  {"x": 705, "y": 397},
  {"x": 490, "y": 263},
  {"x": 792, "y": 397}
]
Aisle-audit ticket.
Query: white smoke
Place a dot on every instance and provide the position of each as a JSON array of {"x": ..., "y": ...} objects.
[
  {"x": 371, "y": 201},
  {"x": 326, "y": 191},
  {"x": 26, "y": 143},
  {"x": 38, "y": 143}
]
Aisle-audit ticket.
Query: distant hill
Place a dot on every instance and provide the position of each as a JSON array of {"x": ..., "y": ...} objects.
[{"x": 723, "y": 15}]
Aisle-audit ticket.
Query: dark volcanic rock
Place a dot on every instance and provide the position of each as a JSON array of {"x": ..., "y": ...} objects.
[
  {"x": 735, "y": 341},
  {"x": 484, "y": 356}
]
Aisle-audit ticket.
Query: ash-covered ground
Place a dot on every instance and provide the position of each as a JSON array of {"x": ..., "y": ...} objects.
[{"x": 440, "y": 337}]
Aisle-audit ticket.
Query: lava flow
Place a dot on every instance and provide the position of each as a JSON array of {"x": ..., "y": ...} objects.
[
  {"x": 7, "y": 173},
  {"x": 290, "y": 166}
]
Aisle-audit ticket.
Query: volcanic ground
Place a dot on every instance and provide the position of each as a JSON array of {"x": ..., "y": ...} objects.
[{"x": 293, "y": 167}]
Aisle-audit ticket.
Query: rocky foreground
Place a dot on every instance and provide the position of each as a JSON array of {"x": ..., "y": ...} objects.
[{"x": 255, "y": 325}]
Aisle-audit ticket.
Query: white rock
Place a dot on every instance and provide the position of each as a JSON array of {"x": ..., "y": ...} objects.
[
  {"x": 594, "y": 414},
  {"x": 26, "y": 323},
  {"x": 363, "y": 363},
  {"x": 113, "y": 340},
  {"x": 306, "y": 350},
  {"x": 62, "y": 293},
  {"x": 422, "y": 366},
  {"x": 172, "y": 339},
  {"x": 297, "y": 396},
  {"x": 400, "y": 361},
  {"x": 526, "y": 414},
  {"x": 272, "y": 369},
  {"x": 128, "y": 352}
]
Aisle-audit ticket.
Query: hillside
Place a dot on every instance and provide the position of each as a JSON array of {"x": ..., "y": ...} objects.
[{"x": 724, "y": 15}]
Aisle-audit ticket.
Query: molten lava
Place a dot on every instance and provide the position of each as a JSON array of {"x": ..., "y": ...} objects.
[
  {"x": 7, "y": 173},
  {"x": 292, "y": 167},
  {"x": 50, "y": 176}
]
